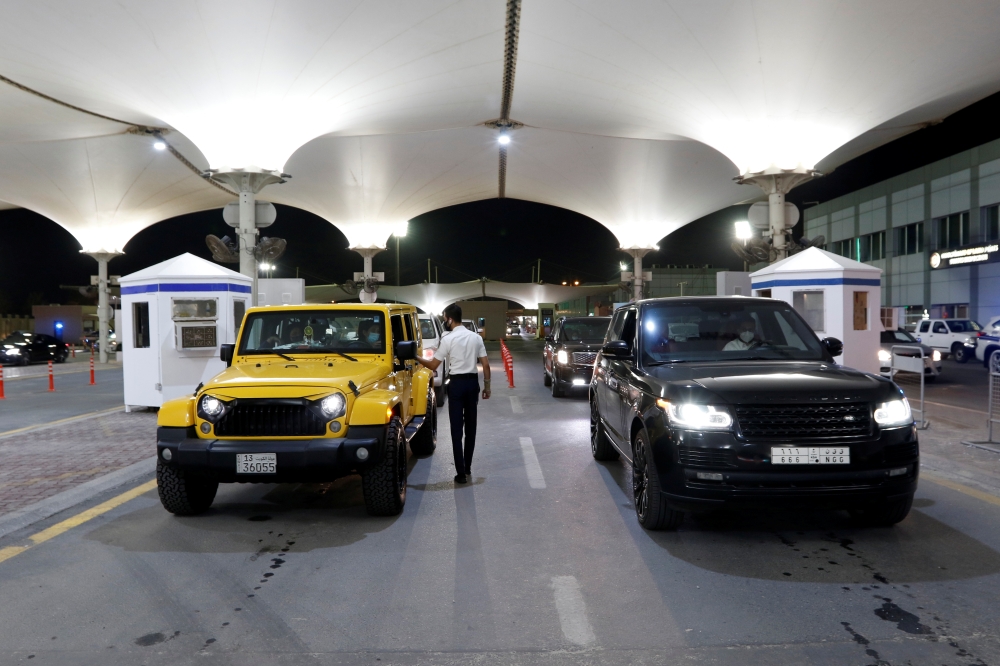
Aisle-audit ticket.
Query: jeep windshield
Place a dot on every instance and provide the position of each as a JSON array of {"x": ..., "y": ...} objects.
[
  {"x": 313, "y": 332},
  {"x": 725, "y": 331}
]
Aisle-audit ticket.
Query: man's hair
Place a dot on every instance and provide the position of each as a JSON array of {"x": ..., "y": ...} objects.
[{"x": 453, "y": 312}]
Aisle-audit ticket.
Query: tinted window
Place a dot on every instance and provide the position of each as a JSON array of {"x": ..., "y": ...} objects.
[
  {"x": 140, "y": 325},
  {"x": 616, "y": 325},
  {"x": 590, "y": 330},
  {"x": 896, "y": 337},
  {"x": 925, "y": 326},
  {"x": 963, "y": 326},
  {"x": 427, "y": 329},
  {"x": 725, "y": 331},
  {"x": 940, "y": 328},
  {"x": 314, "y": 332}
]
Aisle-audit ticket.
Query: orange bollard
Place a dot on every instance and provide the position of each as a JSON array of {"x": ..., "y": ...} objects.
[
  {"x": 72, "y": 350},
  {"x": 92, "y": 382},
  {"x": 1, "y": 383},
  {"x": 52, "y": 379}
]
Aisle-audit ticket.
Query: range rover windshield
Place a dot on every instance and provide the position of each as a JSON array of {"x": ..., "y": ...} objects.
[
  {"x": 314, "y": 332},
  {"x": 585, "y": 330},
  {"x": 725, "y": 331}
]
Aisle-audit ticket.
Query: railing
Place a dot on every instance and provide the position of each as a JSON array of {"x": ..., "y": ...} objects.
[
  {"x": 994, "y": 406},
  {"x": 915, "y": 364}
]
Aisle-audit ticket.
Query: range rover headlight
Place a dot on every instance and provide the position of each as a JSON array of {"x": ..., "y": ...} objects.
[
  {"x": 894, "y": 413},
  {"x": 884, "y": 356},
  {"x": 333, "y": 406},
  {"x": 562, "y": 357},
  {"x": 210, "y": 408},
  {"x": 696, "y": 417}
]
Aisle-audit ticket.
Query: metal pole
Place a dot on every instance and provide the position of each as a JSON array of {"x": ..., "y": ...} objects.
[
  {"x": 437, "y": 278},
  {"x": 538, "y": 273},
  {"x": 776, "y": 215},
  {"x": 428, "y": 270},
  {"x": 397, "y": 261}
]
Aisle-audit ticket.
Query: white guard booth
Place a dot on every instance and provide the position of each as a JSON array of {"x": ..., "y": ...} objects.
[
  {"x": 175, "y": 315},
  {"x": 839, "y": 298}
]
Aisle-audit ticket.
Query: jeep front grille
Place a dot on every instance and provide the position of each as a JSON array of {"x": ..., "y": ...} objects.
[
  {"x": 270, "y": 418},
  {"x": 804, "y": 421}
]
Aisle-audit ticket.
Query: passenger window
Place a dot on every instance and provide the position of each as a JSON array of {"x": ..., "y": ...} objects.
[
  {"x": 940, "y": 328},
  {"x": 925, "y": 326},
  {"x": 616, "y": 326},
  {"x": 409, "y": 327},
  {"x": 628, "y": 329},
  {"x": 397, "y": 330}
]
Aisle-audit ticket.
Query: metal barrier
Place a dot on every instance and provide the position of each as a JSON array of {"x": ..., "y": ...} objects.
[
  {"x": 911, "y": 364},
  {"x": 994, "y": 406}
]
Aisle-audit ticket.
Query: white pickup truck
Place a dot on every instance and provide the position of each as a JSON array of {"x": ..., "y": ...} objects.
[{"x": 950, "y": 336}]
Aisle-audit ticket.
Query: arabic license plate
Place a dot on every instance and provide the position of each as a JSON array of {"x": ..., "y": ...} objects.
[
  {"x": 256, "y": 463},
  {"x": 813, "y": 455}
]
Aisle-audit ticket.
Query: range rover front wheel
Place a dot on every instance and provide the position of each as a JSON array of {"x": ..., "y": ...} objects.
[
  {"x": 384, "y": 485},
  {"x": 650, "y": 508}
]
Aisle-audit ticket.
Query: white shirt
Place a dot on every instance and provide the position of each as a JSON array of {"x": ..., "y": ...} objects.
[
  {"x": 736, "y": 345},
  {"x": 462, "y": 348}
]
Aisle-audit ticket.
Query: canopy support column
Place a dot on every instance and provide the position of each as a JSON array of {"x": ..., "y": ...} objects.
[
  {"x": 776, "y": 184},
  {"x": 103, "y": 293},
  {"x": 368, "y": 289}
]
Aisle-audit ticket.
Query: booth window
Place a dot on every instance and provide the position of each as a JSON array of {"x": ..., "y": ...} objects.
[
  {"x": 194, "y": 308},
  {"x": 809, "y": 304},
  {"x": 140, "y": 324},
  {"x": 861, "y": 311},
  {"x": 239, "y": 310}
]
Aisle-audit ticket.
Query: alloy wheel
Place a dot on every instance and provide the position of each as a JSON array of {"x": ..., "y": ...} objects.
[
  {"x": 640, "y": 479},
  {"x": 595, "y": 427}
]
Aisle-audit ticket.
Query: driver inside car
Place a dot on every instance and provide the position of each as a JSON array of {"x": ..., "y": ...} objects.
[{"x": 746, "y": 336}]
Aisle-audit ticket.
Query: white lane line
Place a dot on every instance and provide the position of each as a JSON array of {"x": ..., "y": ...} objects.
[
  {"x": 535, "y": 477},
  {"x": 572, "y": 610},
  {"x": 515, "y": 404}
]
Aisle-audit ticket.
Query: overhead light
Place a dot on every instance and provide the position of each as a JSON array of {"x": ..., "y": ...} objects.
[
  {"x": 160, "y": 145},
  {"x": 564, "y": 282},
  {"x": 504, "y": 139},
  {"x": 743, "y": 230},
  {"x": 576, "y": 283},
  {"x": 400, "y": 231}
]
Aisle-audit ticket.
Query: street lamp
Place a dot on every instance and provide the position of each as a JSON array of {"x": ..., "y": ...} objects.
[{"x": 744, "y": 232}]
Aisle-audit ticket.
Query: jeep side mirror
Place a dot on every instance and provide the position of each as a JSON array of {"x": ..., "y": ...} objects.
[
  {"x": 833, "y": 346},
  {"x": 226, "y": 354},
  {"x": 616, "y": 349},
  {"x": 406, "y": 350}
]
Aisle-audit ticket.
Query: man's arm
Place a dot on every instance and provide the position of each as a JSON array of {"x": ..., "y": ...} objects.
[
  {"x": 439, "y": 354},
  {"x": 429, "y": 363},
  {"x": 485, "y": 361}
]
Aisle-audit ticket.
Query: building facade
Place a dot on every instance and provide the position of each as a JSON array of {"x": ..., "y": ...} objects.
[{"x": 933, "y": 231}]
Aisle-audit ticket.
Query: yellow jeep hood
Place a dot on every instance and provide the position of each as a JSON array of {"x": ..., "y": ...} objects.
[{"x": 300, "y": 373}]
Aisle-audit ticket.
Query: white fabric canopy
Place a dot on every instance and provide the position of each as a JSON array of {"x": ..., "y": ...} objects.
[{"x": 638, "y": 114}]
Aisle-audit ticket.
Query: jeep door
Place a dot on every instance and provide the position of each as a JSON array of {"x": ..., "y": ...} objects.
[{"x": 403, "y": 370}]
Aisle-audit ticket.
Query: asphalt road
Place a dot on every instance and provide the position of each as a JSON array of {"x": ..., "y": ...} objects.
[
  {"x": 539, "y": 561},
  {"x": 28, "y": 401}
]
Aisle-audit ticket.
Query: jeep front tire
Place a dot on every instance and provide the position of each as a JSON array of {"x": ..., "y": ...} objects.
[
  {"x": 384, "y": 485},
  {"x": 182, "y": 493},
  {"x": 425, "y": 439}
]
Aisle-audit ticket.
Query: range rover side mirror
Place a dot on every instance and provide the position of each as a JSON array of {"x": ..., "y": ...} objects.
[
  {"x": 616, "y": 349},
  {"x": 406, "y": 350},
  {"x": 226, "y": 354},
  {"x": 549, "y": 339},
  {"x": 833, "y": 346}
]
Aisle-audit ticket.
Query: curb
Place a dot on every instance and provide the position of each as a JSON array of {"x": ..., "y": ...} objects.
[{"x": 50, "y": 506}]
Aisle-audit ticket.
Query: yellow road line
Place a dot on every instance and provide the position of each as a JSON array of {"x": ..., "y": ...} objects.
[
  {"x": 77, "y": 520},
  {"x": 65, "y": 420},
  {"x": 966, "y": 490}
]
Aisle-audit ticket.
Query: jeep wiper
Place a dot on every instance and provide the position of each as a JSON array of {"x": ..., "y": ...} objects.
[
  {"x": 349, "y": 358},
  {"x": 278, "y": 353}
]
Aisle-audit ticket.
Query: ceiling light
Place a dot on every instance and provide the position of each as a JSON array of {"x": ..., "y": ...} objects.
[
  {"x": 160, "y": 145},
  {"x": 504, "y": 139},
  {"x": 743, "y": 230}
]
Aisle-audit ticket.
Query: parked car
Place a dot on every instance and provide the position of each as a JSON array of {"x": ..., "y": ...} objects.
[
  {"x": 986, "y": 345},
  {"x": 472, "y": 326},
  {"x": 993, "y": 326},
  {"x": 570, "y": 352},
  {"x": 949, "y": 336},
  {"x": 303, "y": 401},
  {"x": 432, "y": 331},
  {"x": 24, "y": 347},
  {"x": 890, "y": 339},
  {"x": 734, "y": 402}
]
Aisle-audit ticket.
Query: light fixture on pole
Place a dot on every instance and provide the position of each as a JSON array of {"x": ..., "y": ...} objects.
[{"x": 504, "y": 139}]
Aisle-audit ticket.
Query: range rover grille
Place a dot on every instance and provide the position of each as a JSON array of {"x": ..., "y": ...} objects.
[
  {"x": 584, "y": 358},
  {"x": 804, "y": 421},
  {"x": 695, "y": 457},
  {"x": 270, "y": 419}
]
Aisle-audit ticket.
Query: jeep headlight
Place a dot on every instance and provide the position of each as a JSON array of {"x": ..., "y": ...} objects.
[
  {"x": 696, "y": 417},
  {"x": 210, "y": 408},
  {"x": 893, "y": 413},
  {"x": 884, "y": 356},
  {"x": 333, "y": 406},
  {"x": 562, "y": 357}
]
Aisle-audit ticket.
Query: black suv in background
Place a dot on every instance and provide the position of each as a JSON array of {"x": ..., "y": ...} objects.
[
  {"x": 24, "y": 347},
  {"x": 570, "y": 352},
  {"x": 724, "y": 402}
]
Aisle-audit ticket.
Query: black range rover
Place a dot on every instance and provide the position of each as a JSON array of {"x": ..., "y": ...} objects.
[
  {"x": 569, "y": 353},
  {"x": 721, "y": 402}
]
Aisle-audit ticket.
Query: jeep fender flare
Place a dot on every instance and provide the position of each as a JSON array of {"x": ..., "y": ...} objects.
[
  {"x": 374, "y": 408},
  {"x": 422, "y": 381},
  {"x": 177, "y": 413}
]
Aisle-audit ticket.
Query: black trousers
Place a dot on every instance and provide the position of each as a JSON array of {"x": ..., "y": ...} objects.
[{"x": 463, "y": 401}]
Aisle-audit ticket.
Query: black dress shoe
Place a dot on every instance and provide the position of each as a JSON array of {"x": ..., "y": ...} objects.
[{"x": 461, "y": 478}]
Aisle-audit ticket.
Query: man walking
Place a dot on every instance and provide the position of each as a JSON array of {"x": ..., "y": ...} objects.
[{"x": 463, "y": 349}]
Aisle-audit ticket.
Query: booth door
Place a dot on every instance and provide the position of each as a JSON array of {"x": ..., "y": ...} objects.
[{"x": 141, "y": 359}]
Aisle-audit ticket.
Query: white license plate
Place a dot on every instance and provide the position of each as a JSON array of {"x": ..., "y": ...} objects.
[
  {"x": 256, "y": 463},
  {"x": 814, "y": 455}
]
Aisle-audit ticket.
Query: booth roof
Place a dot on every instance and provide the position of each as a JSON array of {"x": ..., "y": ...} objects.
[
  {"x": 185, "y": 267},
  {"x": 815, "y": 260}
]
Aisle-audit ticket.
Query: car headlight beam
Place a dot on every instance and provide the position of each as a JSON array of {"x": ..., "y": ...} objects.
[
  {"x": 894, "y": 413},
  {"x": 884, "y": 356},
  {"x": 211, "y": 408},
  {"x": 562, "y": 357},
  {"x": 936, "y": 356},
  {"x": 696, "y": 417},
  {"x": 333, "y": 406}
]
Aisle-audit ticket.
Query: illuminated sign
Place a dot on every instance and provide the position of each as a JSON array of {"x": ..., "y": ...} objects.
[{"x": 965, "y": 255}]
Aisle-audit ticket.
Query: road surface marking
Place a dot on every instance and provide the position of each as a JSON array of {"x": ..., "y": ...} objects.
[
  {"x": 515, "y": 404},
  {"x": 971, "y": 492},
  {"x": 572, "y": 610},
  {"x": 77, "y": 520},
  {"x": 535, "y": 477},
  {"x": 69, "y": 419}
]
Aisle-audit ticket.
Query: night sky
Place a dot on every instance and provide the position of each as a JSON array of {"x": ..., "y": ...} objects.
[{"x": 496, "y": 238}]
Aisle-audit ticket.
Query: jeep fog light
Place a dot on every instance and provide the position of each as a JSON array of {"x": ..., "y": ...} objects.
[
  {"x": 167, "y": 455},
  {"x": 333, "y": 405},
  {"x": 894, "y": 413},
  {"x": 335, "y": 426},
  {"x": 206, "y": 428},
  {"x": 362, "y": 453},
  {"x": 709, "y": 476},
  {"x": 900, "y": 471}
]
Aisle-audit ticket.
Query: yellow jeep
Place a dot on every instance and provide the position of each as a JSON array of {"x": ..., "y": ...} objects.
[{"x": 312, "y": 393}]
